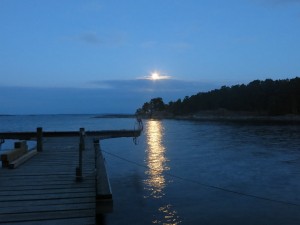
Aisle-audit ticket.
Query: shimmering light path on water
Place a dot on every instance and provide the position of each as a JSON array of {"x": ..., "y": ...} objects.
[{"x": 157, "y": 164}]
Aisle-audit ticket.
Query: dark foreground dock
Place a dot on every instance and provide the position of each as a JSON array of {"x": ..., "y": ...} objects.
[{"x": 57, "y": 186}]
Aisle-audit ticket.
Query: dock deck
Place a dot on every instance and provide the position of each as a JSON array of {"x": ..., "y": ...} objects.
[{"x": 44, "y": 190}]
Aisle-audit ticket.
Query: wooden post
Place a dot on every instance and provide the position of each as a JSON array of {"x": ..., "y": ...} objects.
[
  {"x": 39, "y": 139},
  {"x": 81, "y": 148},
  {"x": 96, "y": 148},
  {"x": 82, "y": 135}
]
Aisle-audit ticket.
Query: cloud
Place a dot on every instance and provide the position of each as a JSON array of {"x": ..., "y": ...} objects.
[
  {"x": 156, "y": 76},
  {"x": 90, "y": 38},
  {"x": 161, "y": 86},
  {"x": 87, "y": 37},
  {"x": 160, "y": 77},
  {"x": 93, "y": 38}
]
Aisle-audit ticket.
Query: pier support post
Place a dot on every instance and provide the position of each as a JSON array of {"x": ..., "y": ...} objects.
[
  {"x": 81, "y": 148},
  {"x": 81, "y": 141},
  {"x": 39, "y": 139}
]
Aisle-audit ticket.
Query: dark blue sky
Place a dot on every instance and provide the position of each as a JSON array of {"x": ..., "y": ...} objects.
[{"x": 64, "y": 55}]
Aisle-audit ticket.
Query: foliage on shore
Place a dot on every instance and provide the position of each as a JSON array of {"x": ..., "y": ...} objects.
[{"x": 268, "y": 98}]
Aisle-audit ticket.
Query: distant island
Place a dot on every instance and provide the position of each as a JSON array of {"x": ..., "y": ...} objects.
[
  {"x": 115, "y": 115},
  {"x": 258, "y": 99}
]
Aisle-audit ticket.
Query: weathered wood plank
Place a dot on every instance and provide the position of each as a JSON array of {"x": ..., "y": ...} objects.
[
  {"x": 46, "y": 196},
  {"x": 69, "y": 176},
  {"x": 49, "y": 202},
  {"x": 42, "y": 173},
  {"x": 45, "y": 191},
  {"x": 7, "y": 157},
  {"x": 12, "y": 154},
  {"x": 45, "y": 208},
  {"x": 14, "y": 164},
  {"x": 46, "y": 187},
  {"x": 51, "y": 215},
  {"x": 76, "y": 221},
  {"x": 40, "y": 182}
]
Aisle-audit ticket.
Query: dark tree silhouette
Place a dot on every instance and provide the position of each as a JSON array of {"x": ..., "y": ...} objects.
[
  {"x": 269, "y": 97},
  {"x": 155, "y": 105}
]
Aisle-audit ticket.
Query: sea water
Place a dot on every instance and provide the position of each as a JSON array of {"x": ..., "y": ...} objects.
[{"x": 192, "y": 172}]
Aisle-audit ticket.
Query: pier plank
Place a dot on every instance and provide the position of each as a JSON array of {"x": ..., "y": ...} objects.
[
  {"x": 75, "y": 221},
  {"x": 50, "y": 215},
  {"x": 47, "y": 202},
  {"x": 45, "y": 208}
]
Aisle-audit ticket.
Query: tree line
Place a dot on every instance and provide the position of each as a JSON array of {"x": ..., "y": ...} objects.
[{"x": 268, "y": 97}]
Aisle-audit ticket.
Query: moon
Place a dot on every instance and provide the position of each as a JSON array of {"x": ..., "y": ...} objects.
[{"x": 155, "y": 76}]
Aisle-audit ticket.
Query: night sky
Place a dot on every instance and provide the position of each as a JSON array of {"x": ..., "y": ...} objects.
[{"x": 88, "y": 56}]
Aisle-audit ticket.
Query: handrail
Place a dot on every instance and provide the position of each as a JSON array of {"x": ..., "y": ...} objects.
[{"x": 100, "y": 134}]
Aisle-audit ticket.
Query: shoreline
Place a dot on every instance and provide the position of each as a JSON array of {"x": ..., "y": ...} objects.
[
  {"x": 230, "y": 117},
  {"x": 246, "y": 119},
  {"x": 209, "y": 116}
]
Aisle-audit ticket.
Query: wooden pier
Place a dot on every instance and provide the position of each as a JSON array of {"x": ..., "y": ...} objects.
[{"x": 64, "y": 183}]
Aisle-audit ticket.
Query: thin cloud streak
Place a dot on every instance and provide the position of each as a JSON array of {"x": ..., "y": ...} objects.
[
  {"x": 91, "y": 38},
  {"x": 142, "y": 84},
  {"x": 96, "y": 39},
  {"x": 161, "y": 77},
  {"x": 87, "y": 37}
]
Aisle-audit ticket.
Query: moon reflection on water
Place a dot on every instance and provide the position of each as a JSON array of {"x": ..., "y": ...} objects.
[{"x": 157, "y": 164}]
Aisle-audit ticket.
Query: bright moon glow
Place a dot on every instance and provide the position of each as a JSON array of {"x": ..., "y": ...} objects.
[
  {"x": 154, "y": 76},
  {"x": 157, "y": 76}
]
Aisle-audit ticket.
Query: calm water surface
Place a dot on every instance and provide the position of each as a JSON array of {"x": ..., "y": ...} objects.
[{"x": 189, "y": 172}]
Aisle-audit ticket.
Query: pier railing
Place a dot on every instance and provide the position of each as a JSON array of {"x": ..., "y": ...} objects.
[{"x": 39, "y": 134}]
